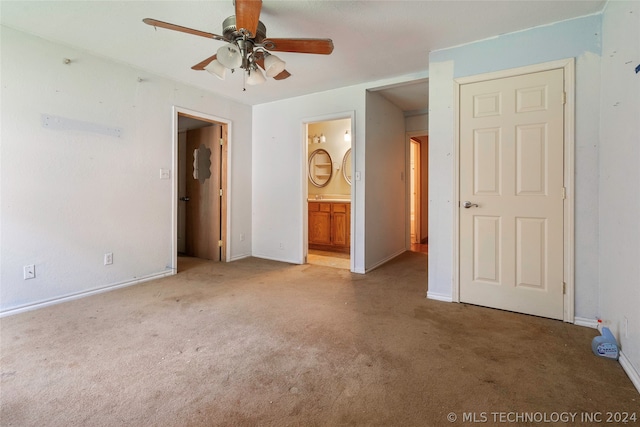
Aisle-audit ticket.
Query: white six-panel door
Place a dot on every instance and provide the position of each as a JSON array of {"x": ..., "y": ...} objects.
[{"x": 511, "y": 173}]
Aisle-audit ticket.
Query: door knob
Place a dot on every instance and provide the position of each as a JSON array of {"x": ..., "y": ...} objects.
[
  {"x": 184, "y": 199},
  {"x": 468, "y": 204}
]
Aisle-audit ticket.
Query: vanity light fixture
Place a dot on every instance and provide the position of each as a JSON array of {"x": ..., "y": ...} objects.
[
  {"x": 347, "y": 137},
  {"x": 323, "y": 138}
]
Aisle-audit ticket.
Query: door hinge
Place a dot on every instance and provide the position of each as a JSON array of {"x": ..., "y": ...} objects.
[
  {"x": 219, "y": 243},
  {"x": 564, "y": 288},
  {"x": 221, "y": 141},
  {"x": 564, "y": 98},
  {"x": 221, "y": 192},
  {"x": 564, "y": 193}
]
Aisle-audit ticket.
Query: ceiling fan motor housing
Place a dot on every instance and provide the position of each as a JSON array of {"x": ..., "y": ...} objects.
[{"x": 231, "y": 33}]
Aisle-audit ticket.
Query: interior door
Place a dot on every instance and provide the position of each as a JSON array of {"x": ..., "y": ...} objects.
[
  {"x": 203, "y": 231},
  {"x": 182, "y": 191},
  {"x": 511, "y": 193}
]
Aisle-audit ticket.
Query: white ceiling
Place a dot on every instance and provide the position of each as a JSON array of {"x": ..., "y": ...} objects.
[
  {"x": 411, "y": 97},
  {"x": 373, "y": 40}
]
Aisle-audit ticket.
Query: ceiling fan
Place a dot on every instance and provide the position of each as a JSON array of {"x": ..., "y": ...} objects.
[{"x": 247, "y": 46}]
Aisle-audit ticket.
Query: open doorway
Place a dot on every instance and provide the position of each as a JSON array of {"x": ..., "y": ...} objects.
[
  {"x": 412, "y": 98},
  {"x": 419, "y": 193},
  {"x": 329, "y": 165},
  {"x": 201, "y": 180}
]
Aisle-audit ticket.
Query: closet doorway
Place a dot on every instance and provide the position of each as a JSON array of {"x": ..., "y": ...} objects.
[{"x": 201, "y": 182}]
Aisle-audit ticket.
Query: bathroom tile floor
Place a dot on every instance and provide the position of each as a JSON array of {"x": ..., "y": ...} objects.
[
  {"x": 329, "y": 259},
  {"x": 342, "y": 260}
]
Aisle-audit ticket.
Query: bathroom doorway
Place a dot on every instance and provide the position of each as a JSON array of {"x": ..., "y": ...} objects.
[{"x": 328, "y": 204}]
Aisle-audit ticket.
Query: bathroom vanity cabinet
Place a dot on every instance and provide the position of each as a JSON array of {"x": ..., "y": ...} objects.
[{"x": 330, "y": 226}]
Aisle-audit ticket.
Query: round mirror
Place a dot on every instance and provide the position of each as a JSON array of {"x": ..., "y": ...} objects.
[
  {"x": 346, "y": 166},
  {"x": 320, "y": 167}
]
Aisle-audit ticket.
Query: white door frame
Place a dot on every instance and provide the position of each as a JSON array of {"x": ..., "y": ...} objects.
[
  {"x": 174, "y": 193},
  {"x": 415, "y": 200},
  {"x": 568, "y": 65},
  {"x": 408, "y": 136},
  {"x": 304, "y": 187}
]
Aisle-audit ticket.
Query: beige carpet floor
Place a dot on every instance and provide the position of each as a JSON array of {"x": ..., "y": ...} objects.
[{"x": 261, "y": 343}]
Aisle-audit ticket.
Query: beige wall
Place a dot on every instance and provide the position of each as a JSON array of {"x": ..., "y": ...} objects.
[{"x": 336, "y": 147}]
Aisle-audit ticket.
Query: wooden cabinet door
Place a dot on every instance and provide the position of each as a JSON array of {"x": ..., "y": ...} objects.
[
  {"x": 320, "y": 223},
  {"x": 340, "y": 225}
]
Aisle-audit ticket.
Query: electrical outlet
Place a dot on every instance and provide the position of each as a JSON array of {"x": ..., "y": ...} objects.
[
  {"x": 281, "y": 245},
  {"x": 29, "y": 272},
  {"x": 242, "y": 237},
  {"x": 108, "y": 258}
]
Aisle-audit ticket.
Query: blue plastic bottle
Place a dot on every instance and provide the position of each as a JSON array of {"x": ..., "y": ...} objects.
[{"x": 605, "y": 345}]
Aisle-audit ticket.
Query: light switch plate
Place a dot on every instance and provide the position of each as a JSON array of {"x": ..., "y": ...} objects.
[{"x": 29, "y": 272}]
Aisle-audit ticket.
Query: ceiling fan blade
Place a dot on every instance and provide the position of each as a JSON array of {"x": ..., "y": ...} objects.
[
  {"x": 248, "y": 15},
  {"x": 168, "y": 26},
  {"x": 283, "y": 75},
  {"x": 202, "y": 64},
  {"x": 318, "y": 46}
]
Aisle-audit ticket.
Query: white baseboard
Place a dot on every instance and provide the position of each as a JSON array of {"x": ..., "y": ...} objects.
[
  {"x": 238, "y": 257},
  {"x": 439, "y": 297},
  {"x": 272, "y": 258},
  {"x": 586, "y": 322},
  {"x": 78, "y": 295},
  {"x": 386, "y": 260},
  {"x": 630, "y": 370}
]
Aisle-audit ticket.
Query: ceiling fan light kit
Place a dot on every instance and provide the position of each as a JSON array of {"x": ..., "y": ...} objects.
[
  {"x": 247, "y": 45},
  {"x": 255, "y": 77},
  {"x": 229, "y": 56},
  {"x": 217, "y": 69},
  {"x": 273, "y": 65}
]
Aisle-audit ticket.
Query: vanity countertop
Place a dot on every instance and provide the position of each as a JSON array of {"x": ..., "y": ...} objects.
[{"x": 330, "y": 198}]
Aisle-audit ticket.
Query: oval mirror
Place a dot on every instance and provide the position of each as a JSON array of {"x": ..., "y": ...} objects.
[
  {"x": 346, "y": 166},
  {"x": 320, "y": 167}
]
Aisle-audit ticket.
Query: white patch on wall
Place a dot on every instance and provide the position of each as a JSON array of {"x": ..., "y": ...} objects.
[{"x": 62, "y": 123}]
